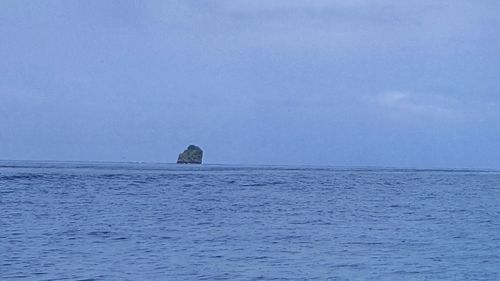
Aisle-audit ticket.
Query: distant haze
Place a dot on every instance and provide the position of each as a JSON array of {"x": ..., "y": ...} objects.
[{"x": 379, "y": 83}]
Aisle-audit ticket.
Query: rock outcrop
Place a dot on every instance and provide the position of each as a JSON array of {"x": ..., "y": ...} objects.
[{"x": 192, "y": 155}]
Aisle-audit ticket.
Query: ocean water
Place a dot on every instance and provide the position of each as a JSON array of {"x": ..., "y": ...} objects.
[{"x": 118, "y": 221}]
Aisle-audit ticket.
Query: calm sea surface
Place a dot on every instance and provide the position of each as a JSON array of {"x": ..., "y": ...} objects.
[{"x": 88, "y": 221}]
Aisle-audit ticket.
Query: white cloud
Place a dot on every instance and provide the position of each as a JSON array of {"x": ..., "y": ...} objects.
[
  {"x": 425, "y": 105},
  {"x": 469, "y": 108}
]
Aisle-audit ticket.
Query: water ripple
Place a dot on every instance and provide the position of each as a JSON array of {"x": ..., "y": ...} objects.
[{"x": 125, "y": 221}]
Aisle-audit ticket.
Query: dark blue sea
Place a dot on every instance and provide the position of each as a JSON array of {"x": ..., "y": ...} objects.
[{"x": 135, "y": 221}]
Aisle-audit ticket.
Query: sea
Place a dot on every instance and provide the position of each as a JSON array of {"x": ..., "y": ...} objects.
[{"x": 146, "y": 221}]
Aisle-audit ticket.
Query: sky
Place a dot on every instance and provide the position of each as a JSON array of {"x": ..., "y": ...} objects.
[{"x": 289, "y": 82}]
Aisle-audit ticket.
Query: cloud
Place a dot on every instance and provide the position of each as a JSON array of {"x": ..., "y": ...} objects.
[
  {"x": 467, "y": 108},
  {"x": 420, "y": 104},
  {"x": 334, "y": 26},
  {"x": 349, "y": 26}
]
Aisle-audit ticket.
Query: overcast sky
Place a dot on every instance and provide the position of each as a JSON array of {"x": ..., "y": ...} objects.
[{"x": 352, "y": 82}]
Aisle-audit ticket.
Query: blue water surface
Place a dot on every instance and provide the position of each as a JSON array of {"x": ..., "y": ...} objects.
[{"x": 119, "y": 221}]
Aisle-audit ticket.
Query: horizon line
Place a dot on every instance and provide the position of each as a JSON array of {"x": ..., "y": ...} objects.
[{"x": 489, "y": 169}]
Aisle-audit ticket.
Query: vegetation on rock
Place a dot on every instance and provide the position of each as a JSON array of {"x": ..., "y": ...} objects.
[{"x": 192, "y": 155}]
